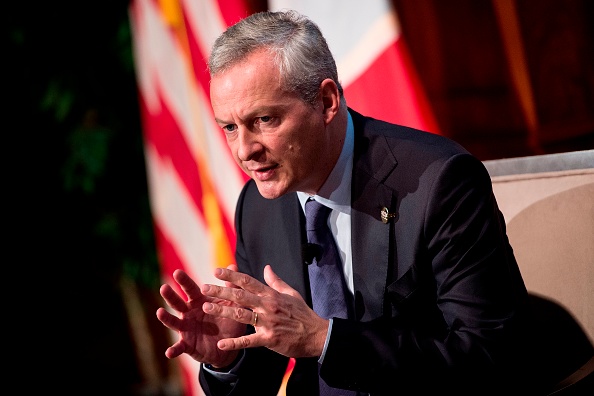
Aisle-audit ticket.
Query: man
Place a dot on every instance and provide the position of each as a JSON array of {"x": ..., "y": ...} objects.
[{"x": 434, "y": 292}]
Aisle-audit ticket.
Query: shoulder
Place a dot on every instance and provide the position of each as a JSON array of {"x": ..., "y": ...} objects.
[
  {"x": 382, "y": 145},
  {"x": 403, "y": 139}
]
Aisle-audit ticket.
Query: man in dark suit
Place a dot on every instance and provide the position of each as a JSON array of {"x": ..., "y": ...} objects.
[{"x": 435, "y": 295}]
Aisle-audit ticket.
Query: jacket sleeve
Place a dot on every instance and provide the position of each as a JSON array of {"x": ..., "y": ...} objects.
[{"x": 261, "y": 371}]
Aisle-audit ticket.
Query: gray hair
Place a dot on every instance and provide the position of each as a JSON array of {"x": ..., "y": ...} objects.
[{"x": 295, "y": 42}]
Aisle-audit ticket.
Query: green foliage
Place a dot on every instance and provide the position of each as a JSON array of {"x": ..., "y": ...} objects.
[
  {"x": 78, "y": 117},
  {"x": 58, "y": 100},
  {"x": 88, "y": 148}
]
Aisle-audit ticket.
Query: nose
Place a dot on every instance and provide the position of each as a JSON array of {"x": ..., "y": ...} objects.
[{"x": 249, "y": 145}]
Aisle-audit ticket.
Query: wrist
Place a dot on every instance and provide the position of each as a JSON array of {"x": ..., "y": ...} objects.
[{"x": 226, "y": 368}]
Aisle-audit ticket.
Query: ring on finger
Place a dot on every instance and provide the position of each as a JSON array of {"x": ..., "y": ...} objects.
[{"x": 255, "y": 321}]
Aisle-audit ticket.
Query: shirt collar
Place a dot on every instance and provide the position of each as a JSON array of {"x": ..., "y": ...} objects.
[{"x": 336, "y": 190}]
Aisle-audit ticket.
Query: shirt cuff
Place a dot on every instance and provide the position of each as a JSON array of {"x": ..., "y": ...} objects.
[
  {"x": 321, "y": 359},
  {"x": 228, "y": 374}
]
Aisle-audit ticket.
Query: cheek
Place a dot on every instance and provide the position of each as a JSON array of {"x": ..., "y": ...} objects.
[
  {"x": 302, "y": 150},
  {"x": 279, "y": 147},
  {"x": 233, "y": 148},
  {"x": 291, "y": 153}
]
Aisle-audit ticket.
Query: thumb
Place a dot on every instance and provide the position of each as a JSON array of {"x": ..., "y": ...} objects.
[{"x": 275, "y": 282}]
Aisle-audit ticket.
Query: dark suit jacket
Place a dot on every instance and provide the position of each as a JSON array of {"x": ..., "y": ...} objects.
[{"x": 438, "y": 293}]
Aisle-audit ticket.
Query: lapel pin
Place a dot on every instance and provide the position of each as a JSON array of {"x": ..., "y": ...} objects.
[{"x": 386, "y": 215}]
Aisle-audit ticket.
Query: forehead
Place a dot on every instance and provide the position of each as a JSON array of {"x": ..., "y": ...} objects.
[
  {"x": 253, "y": 82},
  {"x": 255, "y": 69}
]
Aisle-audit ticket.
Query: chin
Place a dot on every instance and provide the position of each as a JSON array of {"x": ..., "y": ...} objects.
[{"x": 270, "y": 190}]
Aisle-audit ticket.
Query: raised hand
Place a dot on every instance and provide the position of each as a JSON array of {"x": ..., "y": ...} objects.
[
  {"x": 285, "y": 323},
  {"x": 198, "y": 332}
]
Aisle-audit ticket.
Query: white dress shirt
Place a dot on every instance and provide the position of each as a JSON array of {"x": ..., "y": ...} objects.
[{"x": 335, "y": 193}]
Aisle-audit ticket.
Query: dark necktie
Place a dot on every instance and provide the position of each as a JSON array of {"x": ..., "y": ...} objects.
[{"x": 326, "y": 278}]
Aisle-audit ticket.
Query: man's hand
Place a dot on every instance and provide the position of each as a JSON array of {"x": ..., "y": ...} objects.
[
  {"x": 285, "y": 323},
  {"x": 198, "y": 332}
]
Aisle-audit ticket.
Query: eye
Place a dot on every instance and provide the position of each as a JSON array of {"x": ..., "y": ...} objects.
[
  {"x": 229, "y": 128},
  {"x": 265, "y": 119}
]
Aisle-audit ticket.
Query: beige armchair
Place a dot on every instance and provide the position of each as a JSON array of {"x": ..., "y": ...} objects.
[{"x": 548, "y": 205}]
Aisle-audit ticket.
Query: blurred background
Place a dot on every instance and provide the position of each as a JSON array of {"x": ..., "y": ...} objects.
[{"x": 84, "y": 270}]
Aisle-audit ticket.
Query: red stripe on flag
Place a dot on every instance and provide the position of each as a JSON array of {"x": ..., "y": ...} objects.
[
  {"x": 390, "y": 90},
  {"x": 187, "y": 377},
  {"x": 168, "y": 257},
  {"x": 233, "y": 10},
  {"x": 198, "y": 58},
  {"x": 162, "y": 131}
]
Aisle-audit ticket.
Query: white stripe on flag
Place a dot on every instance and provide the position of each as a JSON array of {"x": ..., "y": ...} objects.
[
  {"x": 206, "y": 21},
  {"x": 178, "y": 218},
  {"x": 356, "y": 31},
  {"x": 164, "y": 72}
]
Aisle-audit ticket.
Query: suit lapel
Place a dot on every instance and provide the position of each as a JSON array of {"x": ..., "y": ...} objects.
[
  {"x": 288, "y": 240},
  {"x": 371, "y": 247}
]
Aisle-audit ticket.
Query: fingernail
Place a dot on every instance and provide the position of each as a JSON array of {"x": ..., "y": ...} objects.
[{"x": 207, "y": 307}]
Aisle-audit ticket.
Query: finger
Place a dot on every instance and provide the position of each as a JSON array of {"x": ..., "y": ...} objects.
[
  {"x": 276, "y": 283},
  {"x": 170, "y": 321},
  {"x": 187, "y": 284},
  {"x": 238, "y": 314},
  {"x": 173, "y": 299},
  {"x": 175, "y": 350},
  {"x": 229, "y": 296},
  {"x": 247, "y": 341},
  {"x": 231, "y": 267},
  {"x": 242, "y": 281}
]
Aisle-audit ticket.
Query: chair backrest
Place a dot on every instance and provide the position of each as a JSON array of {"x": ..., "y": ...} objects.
[{"x": 548, "y": 205}]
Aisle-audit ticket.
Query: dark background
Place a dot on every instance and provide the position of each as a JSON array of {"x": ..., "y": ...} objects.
[{"x": 80, "y": 251}]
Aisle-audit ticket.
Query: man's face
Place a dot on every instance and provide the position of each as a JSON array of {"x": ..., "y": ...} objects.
[{"x": 275, "y": 137}]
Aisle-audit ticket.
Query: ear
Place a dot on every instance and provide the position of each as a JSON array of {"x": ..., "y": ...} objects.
[{"x": 330, "y": 99}]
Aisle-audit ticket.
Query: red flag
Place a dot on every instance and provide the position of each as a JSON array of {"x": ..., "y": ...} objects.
[
  {"x": 193, "y": 181},
  {"x": 374, "y": 66}
]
